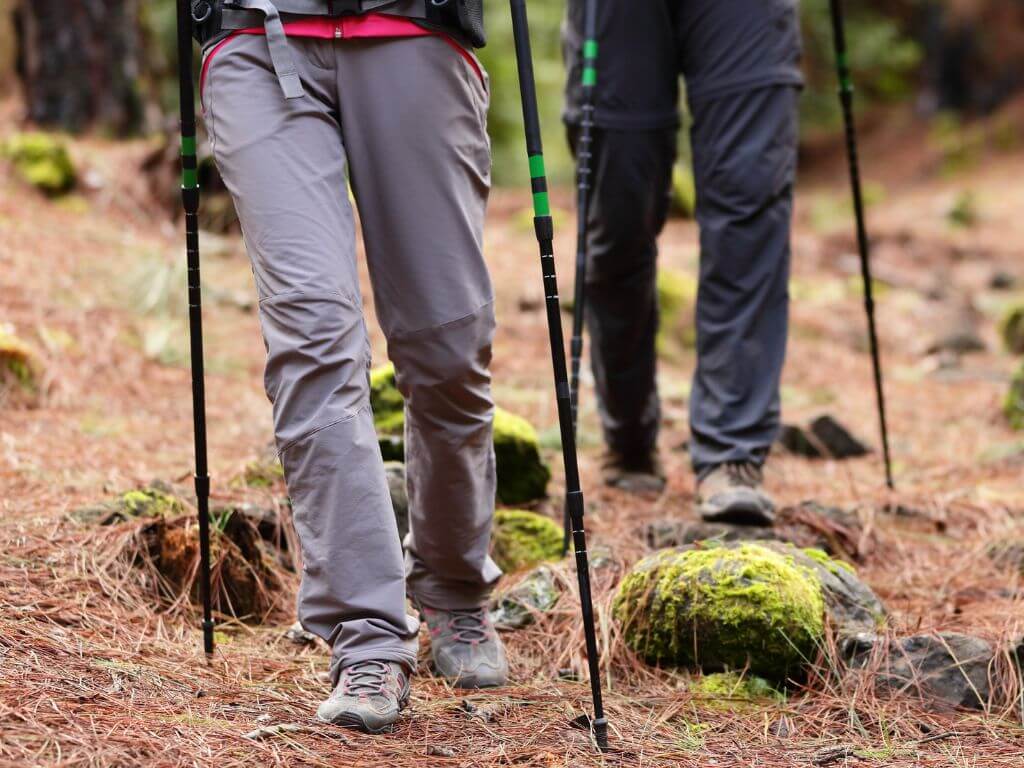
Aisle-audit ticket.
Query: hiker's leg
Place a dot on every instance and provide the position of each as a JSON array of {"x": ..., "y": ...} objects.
[
  {"x": 631, "y": 176},
  {"x": 635, "y": 143},
  {"x": 284, "y": 163},
  {"x": 414, "y": 119},
  {"x": 741, "y": 62}
]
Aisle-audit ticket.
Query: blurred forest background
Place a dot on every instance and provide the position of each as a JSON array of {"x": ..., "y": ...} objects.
[{"x": 109, "y": 65}]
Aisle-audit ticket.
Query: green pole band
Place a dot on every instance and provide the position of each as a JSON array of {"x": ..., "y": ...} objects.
[
  {"x": 589, "y": 76},
  {"x": 190, "y": 178},
  {"x": 537, "y": 167},
  {"x": 541, "y": 204},
  {"x": 188, "y": 145},
  {"x": 590, "y": 49},
  {"x": 842, "y": 60}
]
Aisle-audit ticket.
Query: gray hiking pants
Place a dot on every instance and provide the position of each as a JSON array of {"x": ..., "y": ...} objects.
[
  {"x": 741, "y": 61},
  {"x": 405, "y": 121}
]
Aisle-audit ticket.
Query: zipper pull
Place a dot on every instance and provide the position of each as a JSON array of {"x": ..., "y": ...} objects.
[{"x": 337, "y": 31}]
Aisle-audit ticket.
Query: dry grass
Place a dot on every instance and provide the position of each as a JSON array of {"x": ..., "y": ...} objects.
[{"x": 100, "y": 668}]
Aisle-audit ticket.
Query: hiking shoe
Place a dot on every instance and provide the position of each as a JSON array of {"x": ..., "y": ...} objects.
[
  {"x": 465, "y": 647},
  {"x": 731, "y": 493},
  {"x": 369, "y": 696},
  {"x": 633, "y": 474}
]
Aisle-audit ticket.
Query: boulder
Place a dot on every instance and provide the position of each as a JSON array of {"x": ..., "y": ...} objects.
[
  {"x": 395, "y": 472},
  {"x": 537, "y": 592},
  {"x": 946, "y": 669},
  {"x": 41, "y": 160},
  {"x": 727, "y": 607},
  {"x": 522, "y": 473},
  {"x": 522, "y": 540}
]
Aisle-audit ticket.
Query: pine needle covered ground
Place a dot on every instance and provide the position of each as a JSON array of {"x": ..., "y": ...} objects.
[{"x": 95, "y": 670}]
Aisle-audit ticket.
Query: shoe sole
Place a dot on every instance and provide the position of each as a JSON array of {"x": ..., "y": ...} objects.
[{"x": 739, "y": 512}]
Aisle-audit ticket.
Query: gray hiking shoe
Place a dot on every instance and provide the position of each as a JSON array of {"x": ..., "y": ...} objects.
[
  {"x": 633, "y": 474},
  {"x": 732, "y": 493},
  {"x": 465, "y": 647},
  {"x": 369, "y": 696}
]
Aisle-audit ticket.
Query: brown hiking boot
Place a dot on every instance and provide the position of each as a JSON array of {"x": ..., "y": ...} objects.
[
  {"x": 633, "y": 474},
  {"x": 465, "y": 647},
  {"x": 732, "y": 493},
  {"x": 369, "y": 697}
]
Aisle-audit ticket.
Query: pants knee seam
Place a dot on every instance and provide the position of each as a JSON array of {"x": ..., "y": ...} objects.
[{"x": 336, "y": 422}]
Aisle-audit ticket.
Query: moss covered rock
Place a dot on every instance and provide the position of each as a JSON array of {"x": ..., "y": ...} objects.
[
  {"x": 684, "y": 192},
  {"x": 522, "y": 473},
  {"x": 154, "y": 501},
  {"x": 1013, "y": 405},
  {"x": 263, "y": 472},
  {"x": 731, "y": 687},
  {"x": 522, "y": 540},
  {"x": 738, "y": 607},
  {"x": 1011, "y": 329},
  {"x": 677, "y": 295},
  {"x": 20, "y": 368},
  {"x": 42, "y": 160}
]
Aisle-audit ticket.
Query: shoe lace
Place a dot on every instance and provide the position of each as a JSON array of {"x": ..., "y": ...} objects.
[
  {"x": 743, "y": 473},
  {"x": 365, "y": 678},
  {"x": 469, "y": 625}
]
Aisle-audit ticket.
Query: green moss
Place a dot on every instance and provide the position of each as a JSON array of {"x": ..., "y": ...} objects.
[
  {"x": 684, "y": 191},
  {"x": 41, "y": 160},
  {"x": 521, "y": 540},
  {"x": 150, "y": 502},
  {"x": 1011, "y": 329},
  {"x": 731, "y": 608},
  {"x": 834, "y": 565},
  {"x": 677, "y": 293},
  {"x": 20, "y": 366},
  {"x": 736, "y": 687},
  {"x": 263, "y": 472},
  {"x": 1013, "y": 405},
  {"x": 522, "y": 474}
]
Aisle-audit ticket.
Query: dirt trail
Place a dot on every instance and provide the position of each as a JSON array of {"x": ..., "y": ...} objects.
[{"x": 93, "y": 676}]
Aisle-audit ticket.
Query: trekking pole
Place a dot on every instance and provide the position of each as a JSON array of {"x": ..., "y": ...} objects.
[
  {"x": 190, "y": 200},
  {"x": 846, "y": 100},
  {"x": 545, "y": 240},
  {"x": 584, "y": 155}
]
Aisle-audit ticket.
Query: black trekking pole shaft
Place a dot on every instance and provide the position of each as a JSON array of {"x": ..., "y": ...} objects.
[
  {"x": 584, "y": 156},
  {"x": 863, "y": 245},
  {"x": 545, "y": 240},
  {"x": 190, "y": 200}
]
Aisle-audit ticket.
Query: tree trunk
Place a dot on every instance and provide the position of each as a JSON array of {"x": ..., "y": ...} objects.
[{"x": 78, "y": 63}]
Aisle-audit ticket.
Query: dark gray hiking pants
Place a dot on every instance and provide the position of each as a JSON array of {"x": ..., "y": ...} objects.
[
  {"x": 740, "y": 59},
  {"x": 405, "y": 120}
]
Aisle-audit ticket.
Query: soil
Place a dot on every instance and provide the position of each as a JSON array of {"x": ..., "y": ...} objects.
[{"x": 96, "y": 672}]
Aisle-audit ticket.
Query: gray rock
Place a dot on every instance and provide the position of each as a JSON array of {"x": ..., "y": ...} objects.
[
  {"x": 946, "y": 669},
  {"x": 836, "y": 439},
  {"x": 796, "y": 441},
  {"x": 296, "y": 634},
  {"x": 957, "y": 330},
  {"x": 537, "y": 592},
  {"x": 663, "y": 534},
  {"x": 395, "y": 472}
]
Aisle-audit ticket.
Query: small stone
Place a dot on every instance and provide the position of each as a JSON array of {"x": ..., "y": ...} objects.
[
  {"x": 836, "y": 439},
  {"x": 434, "y": 750},
  {"x": 269, "y": 731},
  {"x": 829, "y": 755},
  {"x": 946, "y": 669},
  {"x": 798, "y": 442},
  {"x": 957, "y": 331},
  {"x": 1002, "y": 280},
  {"x": 299, "y": 636},
  {"x": 538, "y": 592}
]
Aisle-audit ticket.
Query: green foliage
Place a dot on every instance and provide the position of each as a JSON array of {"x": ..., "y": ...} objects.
[
  {"x": 41, "y": 160},
  {"x": 522, "y": 540},
  {"x": 882, "y": 60},
  {"x": 735, "y": 688},
  {"x": 717, "y": 608},
  {"x": 20, "y": 366},
  {"x": 677, "y": 294},
  {"x": 1011, "y": 329},
  {"x": 684, "y": 191}
]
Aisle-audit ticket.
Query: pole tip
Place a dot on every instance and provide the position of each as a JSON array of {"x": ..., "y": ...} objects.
[
  {"x": 601, "y": 733},
  {"x": 208, "y": 637}
]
